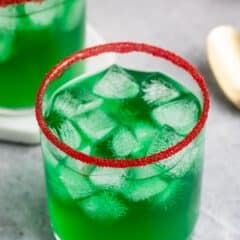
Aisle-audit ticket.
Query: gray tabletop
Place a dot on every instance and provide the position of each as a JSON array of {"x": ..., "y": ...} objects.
[{"x": 181, "y": 26}]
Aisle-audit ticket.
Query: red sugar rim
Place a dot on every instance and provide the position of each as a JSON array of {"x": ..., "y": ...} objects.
[
  {"x": 5, "y": 3},
  {"x": 122, "y": 48}
]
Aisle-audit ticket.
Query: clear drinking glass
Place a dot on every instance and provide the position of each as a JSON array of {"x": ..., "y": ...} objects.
[
  {"x": 154, "y": 197},
  {"x": 34, "y": 36}
]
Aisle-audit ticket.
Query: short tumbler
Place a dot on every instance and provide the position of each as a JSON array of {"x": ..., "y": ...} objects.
[{"x": 119, "y": 161}]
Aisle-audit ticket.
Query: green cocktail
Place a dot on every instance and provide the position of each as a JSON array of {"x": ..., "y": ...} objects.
[
  {"x": 122, "y": 123},
  {"x": 33, "y": 37}
]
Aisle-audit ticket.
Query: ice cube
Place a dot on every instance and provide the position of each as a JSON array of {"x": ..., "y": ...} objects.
[
  {"x": 41, "y": 15},
  {"x": 33, "y": 7},
  {"x": 6, "y": 43},
  {"x": 64, "y": 130},
  {"x": 140, "y": 190},
  {"x": 69, "y": 134},
  {"x": 164, "y": 138},
  {"x": 124, "y": 143},
  {"x": 104, "y": 206},
  {"x": 71, "y": 105},
  {"x": 8, "y": 20},
  {"x": 77, "y": 185},
  {"x": 157, "y": 91},
  {"x": 86, "y": 149},
  {"x": 79, "y": 166},
  {"x": 8, "y": 24},
  {"x": 116, "y": 83},
  {"x": 57, "y": 153},
  {"x": 108, "y": 177},
  {"x": 66, "y": 103},
  {"x": 179, "y": 164},
  {"x": 8, "y": 12},
  {"x": 144, "y": 133},
  {"x": 144, "y": 130},
  {"x": 181, "y": 115},
  {"x": 171, "y": 195},
  {"x": 146, "y": 171},
  {"x": 74, "y": 14},
  {"x": 96, "y": 124}
]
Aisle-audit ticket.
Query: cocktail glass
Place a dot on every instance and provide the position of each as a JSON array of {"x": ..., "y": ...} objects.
[{"x": 154, "y": 197}]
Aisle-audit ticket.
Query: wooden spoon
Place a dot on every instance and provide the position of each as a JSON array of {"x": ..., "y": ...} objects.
[{"x": 223, "y": 49}]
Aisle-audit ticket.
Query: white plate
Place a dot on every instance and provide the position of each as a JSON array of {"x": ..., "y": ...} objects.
[{"x": 21, "y": 126}]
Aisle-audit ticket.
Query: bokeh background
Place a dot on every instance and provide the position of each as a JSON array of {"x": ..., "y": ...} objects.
[{"x": 181, "y": 26}]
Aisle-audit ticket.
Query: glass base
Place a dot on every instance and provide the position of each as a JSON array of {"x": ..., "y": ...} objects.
[{"x": 20, "y": 125}]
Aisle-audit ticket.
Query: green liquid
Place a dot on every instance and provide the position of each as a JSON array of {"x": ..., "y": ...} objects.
[
  {"x": 156, "y": 202},
  {"x": 34, "y": 50},
  {"x": 143, "y": 221}
]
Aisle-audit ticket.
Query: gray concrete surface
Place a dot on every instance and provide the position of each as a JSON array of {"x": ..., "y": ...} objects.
[{"x": 178, "y": 25}]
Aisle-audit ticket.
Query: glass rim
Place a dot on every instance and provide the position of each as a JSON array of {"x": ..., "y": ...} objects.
[
  {"x": 5, "y": 3},
  {"x": 122, "y": 48}
]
